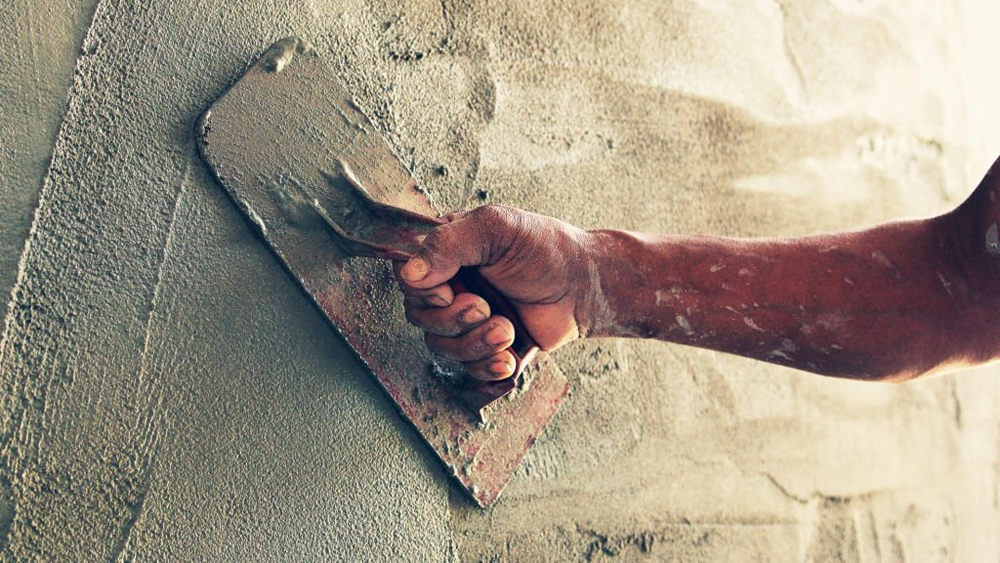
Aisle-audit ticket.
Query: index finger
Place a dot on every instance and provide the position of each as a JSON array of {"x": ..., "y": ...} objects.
[{"x": 436, "y": 296}]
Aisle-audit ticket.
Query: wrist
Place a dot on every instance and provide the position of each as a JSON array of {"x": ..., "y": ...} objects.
[{"x": 614, "y": 285}]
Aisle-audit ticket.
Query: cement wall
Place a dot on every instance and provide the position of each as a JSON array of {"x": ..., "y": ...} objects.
[
  {"x": 169, "y": 393},
  {"x": 41, "y": 41}
]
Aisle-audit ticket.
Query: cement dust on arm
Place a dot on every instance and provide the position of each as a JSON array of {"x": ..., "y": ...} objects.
[{"x": 889, "y": 303}]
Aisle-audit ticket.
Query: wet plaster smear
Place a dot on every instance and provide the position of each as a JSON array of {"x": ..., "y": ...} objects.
[{"x": 167, "y": 392}]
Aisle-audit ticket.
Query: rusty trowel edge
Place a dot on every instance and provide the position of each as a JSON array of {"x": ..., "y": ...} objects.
[{"x": 449, "y": 468}]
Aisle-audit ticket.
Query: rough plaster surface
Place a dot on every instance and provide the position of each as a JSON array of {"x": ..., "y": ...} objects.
[
  {"x": 168, "y": 393},
  {"x": 40, "y": 42}
]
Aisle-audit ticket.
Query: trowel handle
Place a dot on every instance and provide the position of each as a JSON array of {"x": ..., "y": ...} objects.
[{"x": 524, "y": 348}]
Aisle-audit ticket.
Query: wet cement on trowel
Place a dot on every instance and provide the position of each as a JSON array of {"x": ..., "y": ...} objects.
[{"x": 172, "y": 393}]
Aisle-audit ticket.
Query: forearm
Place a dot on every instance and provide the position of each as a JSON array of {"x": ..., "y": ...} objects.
[
  {"x": 892, "y": 302},
  {"x": 888, "y": 303}
]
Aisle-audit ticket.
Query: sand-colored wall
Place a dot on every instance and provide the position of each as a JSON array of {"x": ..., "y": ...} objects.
[
  {"x": 169, "y": 393},
  {"x": 40, "y": 42}
]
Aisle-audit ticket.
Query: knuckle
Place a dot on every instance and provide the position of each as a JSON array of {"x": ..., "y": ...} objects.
[
  {"x": 432, "y": 244},
  {"x": 494, "y": 215},
  {"x": 439, "y": 246},
  {"x": 501, "y": 227}
]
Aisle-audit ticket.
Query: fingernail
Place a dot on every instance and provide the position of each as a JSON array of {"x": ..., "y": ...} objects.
[
  {"x": 472, "y": 315},
  {"x": 415, "y": 270},
  {"x": 500, "y": 368},
  {"x": 435, "y": 301},
  {"x": 497, "y": 336}
]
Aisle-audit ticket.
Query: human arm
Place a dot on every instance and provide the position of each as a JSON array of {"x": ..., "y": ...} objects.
[{"x": 892, "y": 302}]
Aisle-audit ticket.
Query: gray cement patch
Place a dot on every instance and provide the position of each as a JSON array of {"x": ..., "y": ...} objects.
[{"x": 41, "y": 41}]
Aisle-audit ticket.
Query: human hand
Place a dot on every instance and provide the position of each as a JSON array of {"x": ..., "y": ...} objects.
[{"x": 533, "y": 260}]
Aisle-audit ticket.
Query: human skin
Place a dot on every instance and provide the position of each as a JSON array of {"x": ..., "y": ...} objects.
[{"x": 890, "y": 303}]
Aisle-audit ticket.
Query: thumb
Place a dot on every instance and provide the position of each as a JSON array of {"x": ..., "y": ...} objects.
[{"x": 462, "y": 242}]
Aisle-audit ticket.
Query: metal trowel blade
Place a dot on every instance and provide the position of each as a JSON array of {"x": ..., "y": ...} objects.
[{"x": 269, "y": 140}]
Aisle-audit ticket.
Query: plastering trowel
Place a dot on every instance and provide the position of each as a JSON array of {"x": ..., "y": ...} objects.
[{"x": 322, "y": 187}]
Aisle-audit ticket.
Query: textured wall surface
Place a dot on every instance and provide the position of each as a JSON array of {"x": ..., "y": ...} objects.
[
  {"x": 167, "y": 392},
  {"x": 40, "y": 42}
]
